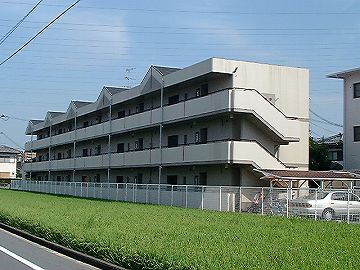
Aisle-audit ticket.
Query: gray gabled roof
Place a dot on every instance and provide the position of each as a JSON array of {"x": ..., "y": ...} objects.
[
  {"x": 55, "y": 114},
  {"x": 114, "y": 90},
  {"x": 8, "y": 150},
  {"x": 36, "y": 121},
  {"x": 78, "y": 104},
  {"x": 166, "y": 70}
]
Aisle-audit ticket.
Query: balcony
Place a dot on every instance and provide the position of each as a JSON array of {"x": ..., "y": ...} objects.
[{"x": 238, "y": 100}]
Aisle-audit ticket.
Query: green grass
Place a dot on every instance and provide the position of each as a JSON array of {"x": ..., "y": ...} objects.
[{"x": 140, "y": 236}]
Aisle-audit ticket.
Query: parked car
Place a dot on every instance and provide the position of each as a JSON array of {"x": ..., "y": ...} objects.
[{"x": 326, "y": 205}]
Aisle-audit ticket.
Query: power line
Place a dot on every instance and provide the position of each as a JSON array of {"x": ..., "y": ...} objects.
[
  {"x": 2, "y": 40},
  {"x": 196, "y": 11},
  {"x": 327, "y": 121},
  {"x": 11, "y": 140},
  {"x": 328, "y": 130},
  {"x": 42, "y": 30}
]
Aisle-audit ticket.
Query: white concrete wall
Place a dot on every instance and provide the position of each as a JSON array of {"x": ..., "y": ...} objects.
[
  {"x": 351, "y": 119},
  {"x": 8, "y": 167}
]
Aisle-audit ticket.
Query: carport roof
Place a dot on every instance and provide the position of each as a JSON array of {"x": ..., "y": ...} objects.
[{"x": 309, "y": 175}]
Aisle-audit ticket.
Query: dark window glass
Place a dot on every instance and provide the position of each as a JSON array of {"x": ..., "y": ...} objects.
[
  {"x": 185, "y": 139},
  {"x": 186, "y": 96},
  {"x": 356, "y": 90},
  {"x": 85, "y": 152},
  {"x": 97, "y": 178},
  {"x": 139, "y": 178},
  {"x": 173, "y": 99},
  {"x": 60, "y": 131},
  {"x": 357, "y": 134},
  {"x": 121, "y": 114},
  {"x": 86, "y": 124},
  {"x": 58, "y": 178},
  {"x": 203, "y": 135},
  {"x": 128, "y": 146},
  {"x": 173, "y": 141},
  {"x": 98, "y": 150},
  {"x": 140, "y": 108},
  {"x": 172, "y": 179},
  {"x": 59, "y": 156},
  {"x": 204, "y": 89},
  {"x": 119, "y": 179},
  {"x": 184, "y": 180},
  {"x": 141, "y": 144},
  {"x": 340, "y": 155},
  {"x": 203, "y": 179},
  {"x": 120, "y": 148}
]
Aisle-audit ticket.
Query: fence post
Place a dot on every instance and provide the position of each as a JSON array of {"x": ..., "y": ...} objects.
[
  {"x": 126, "y": 192},
  {"x": 134, "y": 195},
  {"x": 147, "y": 194},
  {"x": 262, "y": 201},
  {"x": 287, "y": 202},
  {"x": 158, "y": 193},
  {"x": 220, "y": 199},
  {"x": 172, "y": 194},
  {"x": 316, "y": 198},
  {"x": 240, "y": 199},
  {"x": 117, "y": 192},
  {"x": 202, "y": 198},
  {"x": 186, "y": 196},
  {"x": 348, "y": 205}
]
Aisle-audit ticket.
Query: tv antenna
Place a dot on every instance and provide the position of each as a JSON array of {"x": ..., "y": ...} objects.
[{"x": 128, "y": 77}]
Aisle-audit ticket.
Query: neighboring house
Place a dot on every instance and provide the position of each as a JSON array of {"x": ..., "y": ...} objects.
[
  {"x": 351, "y": 117},
  {"x": 335, "y": 147},
  {"x": 211, "y": 123},
  {"x": 8, "y": 160}
]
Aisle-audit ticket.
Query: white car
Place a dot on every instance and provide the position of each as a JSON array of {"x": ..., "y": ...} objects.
[{"x": 326, "y": 205}]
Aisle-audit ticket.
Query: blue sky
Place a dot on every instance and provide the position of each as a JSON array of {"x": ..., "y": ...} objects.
[{"x": 94, "y": 43}]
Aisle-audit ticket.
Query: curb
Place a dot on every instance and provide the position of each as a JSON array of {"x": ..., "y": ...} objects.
[{"x": 63, "y": 250}]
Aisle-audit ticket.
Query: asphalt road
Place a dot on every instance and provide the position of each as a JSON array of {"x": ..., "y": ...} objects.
[{"x": 17, "y": 253}]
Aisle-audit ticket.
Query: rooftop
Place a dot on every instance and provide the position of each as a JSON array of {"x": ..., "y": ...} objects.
[
  {"x": 343, "y": 74},
  {"x": 8, "y": 150}
]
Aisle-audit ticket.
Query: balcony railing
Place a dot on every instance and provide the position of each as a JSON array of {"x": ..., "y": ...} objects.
[{"x": 242, "y": 100}]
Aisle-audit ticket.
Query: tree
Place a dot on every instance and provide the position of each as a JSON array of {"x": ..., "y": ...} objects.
[{"x": 318, "y": 156}]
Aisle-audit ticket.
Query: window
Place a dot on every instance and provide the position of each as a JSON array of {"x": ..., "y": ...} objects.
[
  {"x": 173, "y": 99},
  {"x": 86, "y": 124},
  {"x": 186, "y": 96},
  {"x": 356, "y": 90},
  {"x": 68, "y": 153},
  {"x": 98, "y": 150},
  {"x": 85, "y": 152},
  {"x": 203, "y": 135},
  {"x": 58, "y": 178},
  {"x": 339, "y": 196},
  {"x": 119, "y": 179},
  {"x": 59, "y": 156},
  {"x": 356, "y": 133},
  {"x": 139, "y": 178},
  {"x": 204, "y": 89},
  {"x": 173, "y": 141},
  {"x": 140, "y": 108},
  {"x": 60, "y": 131},
  {"x": 136, "y": 145},
  {"x": 185, "y": 139},
  {"x": 120, "y": 148},
  {"x": 171, "y": 179},
  {"x": 128, "y": 146},
  {"x": 184, "y": 180},
  {"x": 97, "y": 178},
  {"x": 203, "y": 179},
  {"x": 121, "y": 114},
  {"x": 196, "y": 180},
  {"x": 141, "y": 144}
]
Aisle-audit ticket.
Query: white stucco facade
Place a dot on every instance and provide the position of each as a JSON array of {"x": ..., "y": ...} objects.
[
  {"x": 351, "y": 117},
  {"x": 219, "y": 119}
]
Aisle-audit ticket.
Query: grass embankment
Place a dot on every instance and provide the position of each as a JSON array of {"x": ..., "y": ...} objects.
[{"x": 159, "y": 237}]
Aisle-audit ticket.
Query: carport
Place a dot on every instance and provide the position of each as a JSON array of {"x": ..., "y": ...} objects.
[{"x": 310, "y": 179}]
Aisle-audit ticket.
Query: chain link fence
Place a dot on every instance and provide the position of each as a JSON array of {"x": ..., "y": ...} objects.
[{"x": 331, "y": 204}]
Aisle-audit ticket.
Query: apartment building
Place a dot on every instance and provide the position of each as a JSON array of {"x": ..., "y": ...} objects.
[
  {"x": 210, "y": 123},
  {"x": 351, "y": 144}
]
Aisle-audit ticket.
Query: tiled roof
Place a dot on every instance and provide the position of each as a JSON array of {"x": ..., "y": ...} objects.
[
  {"x": 36, "y": 121},
  {"x": 55, "y": 114},
  {"x": 166, "y": 70},
  {"x": 309, "y": 174},
  {"x": 8, "y": 150}
]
